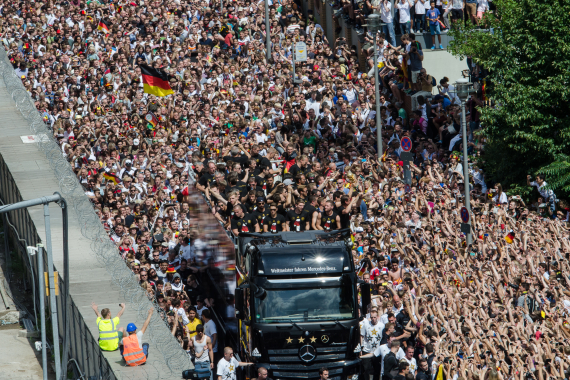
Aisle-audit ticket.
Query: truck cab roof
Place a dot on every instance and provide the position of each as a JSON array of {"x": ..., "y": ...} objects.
[{"x": 297, "y": 254}]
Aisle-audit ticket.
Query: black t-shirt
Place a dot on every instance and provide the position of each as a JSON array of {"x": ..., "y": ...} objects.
[
  {"x": 293, "y": 170},
  {"x": 205, "y": 179},
  {"x": 391, "y": 365},
  {"x": 228, "y": 213},
  {"x": 344, "y": 218},
  {"x": 281, "y": 209},
  {"x": 261, "y": 184},
  {"x": 297, "y": 222},
  {"x": 421, "y": 375},
  {"x": 260, "y": 160},
  {"x": 260, "y": 215},
  {"x": 250, "y": 207},
  {"x": 193, "y": 293},
  {"x": 245, "y": 224},
  {"x": 242, "y": 160},
  {"x": 310, "y": 209},
  {"x": 274, "y": 225},
  {"x": 239, "y": 186},
  {"x": 328, "y": 222}
]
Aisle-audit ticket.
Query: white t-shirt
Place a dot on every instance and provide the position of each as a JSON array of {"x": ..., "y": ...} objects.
[
  {"x": 365, "y": 343},
  {"x": 420, "y": 7},
  {"x": 210, "y": 330},
  {"x": 413, "y": 365},
  {"x": 383, "y": 350},
  {"x": 200, "y": 310},
  {"x": 483, "y": 6},
  {"x": 457, "y": 4},
  {"x": 404, "y": 12},
  {"x": 386, "y": 15},
  {"x": 502, "y": 199},
  {"x": 227, "y": 370},
  {"x": 261, "y": 138},
  {"x": 374, "y": 334}
]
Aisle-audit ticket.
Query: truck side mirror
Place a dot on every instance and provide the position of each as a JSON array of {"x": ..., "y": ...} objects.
[
  {"x": 239, "y": 298},
  {"x": 364, "y": 297}
]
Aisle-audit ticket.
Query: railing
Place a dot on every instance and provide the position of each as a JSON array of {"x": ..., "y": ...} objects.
[
  {"x": 83, "y": 347},
  {"x": 170, "y": 359}
]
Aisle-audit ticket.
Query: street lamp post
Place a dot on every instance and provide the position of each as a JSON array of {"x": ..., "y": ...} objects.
[
  {"x": 267, "y": 34},
  {"x": 373, "y": 24},
  {"x": 463, "y": 88}
]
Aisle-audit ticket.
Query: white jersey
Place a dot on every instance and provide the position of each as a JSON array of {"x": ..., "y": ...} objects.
[
  {"x": 413, "y": 365},
  {"x": 383, "y": 350},
  {"x": 374, "y": 334},
  {"x": 227, "y": 370},
  {"x": 365, "y": 343}
]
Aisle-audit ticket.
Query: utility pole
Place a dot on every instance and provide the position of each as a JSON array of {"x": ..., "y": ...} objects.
[
  {"x": 373, "y": 24},
  {"x": 464, "y": 88},
  {"x": 267, "y": 33}
]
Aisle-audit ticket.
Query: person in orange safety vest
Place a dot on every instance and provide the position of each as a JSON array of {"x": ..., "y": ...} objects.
[{"x": 133, "y": 350}]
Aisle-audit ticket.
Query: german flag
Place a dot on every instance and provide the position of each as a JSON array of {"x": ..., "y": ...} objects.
[
  {"x": 362, "y": 269},
  {"x": 152, "y": 119},
  {"x": 240, "y": 278},
  {"x": 111, "y": 177},
  {"x": 155, "y": 81},
  {"x": 440, "y": 373},
  {"x": 103, "y": 27},
  {"x": 288, "y": 165},
  {"x": 510, "y": 237}
]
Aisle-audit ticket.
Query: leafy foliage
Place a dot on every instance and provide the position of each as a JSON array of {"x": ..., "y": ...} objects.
[
  {"x": 558, "y": 173},
  {"x": 527, "y": 53}
]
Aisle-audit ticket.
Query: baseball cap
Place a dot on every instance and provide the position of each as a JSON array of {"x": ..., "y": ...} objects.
[{"x": 131, "y": 327}]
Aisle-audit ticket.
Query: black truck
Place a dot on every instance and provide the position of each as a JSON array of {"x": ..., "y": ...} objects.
[{"x": 296, "y": 305}]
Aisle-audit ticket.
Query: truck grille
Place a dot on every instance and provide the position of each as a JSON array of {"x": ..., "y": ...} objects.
[{"x": 286, "y": 364}]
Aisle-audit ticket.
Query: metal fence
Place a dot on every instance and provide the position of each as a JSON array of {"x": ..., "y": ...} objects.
[
  {"x": 83, "y": 347},
  {"x": 170, "y": 358}
]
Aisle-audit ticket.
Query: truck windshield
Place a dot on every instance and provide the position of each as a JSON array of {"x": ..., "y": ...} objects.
[{"x": 292, "y": 305}]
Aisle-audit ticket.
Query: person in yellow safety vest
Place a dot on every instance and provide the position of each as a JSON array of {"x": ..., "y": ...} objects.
[
  {"x": 133, "y": 350},
  {"x": 108, "y": 327}
]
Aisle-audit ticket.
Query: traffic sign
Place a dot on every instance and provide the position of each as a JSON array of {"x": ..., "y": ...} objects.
[
  {"x": 406, "y": 144},
  {"x": 300, "y": 51},
  {"x": 464, "y": 215}
]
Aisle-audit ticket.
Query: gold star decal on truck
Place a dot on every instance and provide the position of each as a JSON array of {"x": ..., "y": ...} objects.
[
  {"x": 289, "y": 340},
  {"x": 313, "y": 339},
  {"x": 301, "y": 340}
]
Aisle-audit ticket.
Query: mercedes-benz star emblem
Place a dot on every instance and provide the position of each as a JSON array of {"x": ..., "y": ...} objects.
[
  {"x": 307, "y": 353},
  {"x": 325, "y": 339}
]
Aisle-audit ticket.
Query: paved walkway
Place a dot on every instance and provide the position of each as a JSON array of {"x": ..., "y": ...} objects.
[{"x": 89, "y": 280}]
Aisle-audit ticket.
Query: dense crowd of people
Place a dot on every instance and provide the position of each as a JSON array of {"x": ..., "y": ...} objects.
[{"x": 270, "y": 155}]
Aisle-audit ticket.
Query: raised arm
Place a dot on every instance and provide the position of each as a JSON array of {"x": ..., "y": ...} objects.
[
  {"x": 96, "y": 309},
  {"x": 147, "y": 321}
]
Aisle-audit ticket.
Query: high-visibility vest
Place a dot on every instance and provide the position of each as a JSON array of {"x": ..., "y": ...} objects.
[
  {"x": 132, "y": 352},
  {"x": 108, "y": 334}
]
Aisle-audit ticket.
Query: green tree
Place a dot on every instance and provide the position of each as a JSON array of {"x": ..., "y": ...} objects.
[{"x": 526, "y": 50}]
